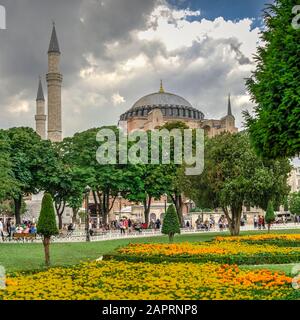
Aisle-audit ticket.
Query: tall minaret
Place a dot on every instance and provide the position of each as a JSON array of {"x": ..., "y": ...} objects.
[
  {"x": 54, "y": 80},
  {"x": 40, "y": 118}
]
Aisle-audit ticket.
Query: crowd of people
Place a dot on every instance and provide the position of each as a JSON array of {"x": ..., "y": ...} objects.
[
  {"x": 259, "y": 222},
  {"x": 9, "y": 227}
]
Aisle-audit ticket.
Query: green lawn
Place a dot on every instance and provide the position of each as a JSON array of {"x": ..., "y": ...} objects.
[
  {"x": 286, "y": 268},
  {"x": 22, "y": 257}
]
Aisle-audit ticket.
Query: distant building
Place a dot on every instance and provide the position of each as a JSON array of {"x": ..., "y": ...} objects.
[
  {"x": 156, "y": 109},
  {"x": 294, "y": 179}
]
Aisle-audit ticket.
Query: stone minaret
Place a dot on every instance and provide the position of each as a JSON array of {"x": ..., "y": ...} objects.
[
  {"x": 54, "y": 80},
  {"x": 40, "y": 118}
]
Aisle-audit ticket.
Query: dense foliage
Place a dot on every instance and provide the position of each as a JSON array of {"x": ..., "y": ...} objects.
[
  {"x": 235, "y": 175},
  {"x": 275, "y": 85}
]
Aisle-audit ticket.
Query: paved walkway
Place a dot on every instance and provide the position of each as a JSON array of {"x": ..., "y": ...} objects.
[{"x": 79, "y": 236}]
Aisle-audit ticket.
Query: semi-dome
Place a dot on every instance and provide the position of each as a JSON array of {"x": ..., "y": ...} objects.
[{"x": 171, "y": 106}]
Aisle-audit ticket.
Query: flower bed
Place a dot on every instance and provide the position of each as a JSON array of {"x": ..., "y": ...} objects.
[
  {"x": 282, "y": 240},
  {"x": 133, "y": 281},
  {"x": 221, "y": 252}
]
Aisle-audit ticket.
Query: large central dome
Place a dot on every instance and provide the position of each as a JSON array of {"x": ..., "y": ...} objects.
[
  {"x": 171, "y": 106},
  {"x": 162, "y": 99}
]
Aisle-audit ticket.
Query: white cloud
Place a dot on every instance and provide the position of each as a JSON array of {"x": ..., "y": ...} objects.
[
  {"x": 117, "y": 99},
  {"x": 179, "y": 32}
]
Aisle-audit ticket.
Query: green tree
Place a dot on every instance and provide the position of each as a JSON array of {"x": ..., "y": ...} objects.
[
  {"x": 64, "y": 180},
  {"x": 152, "y": 181},
  {"x": 235, "y": 175},
  {"x": 175, "y": 173},
  {"x": 270, "y": 215},
  {"x": 294, "y": 203},
  {"x": 46, "y": 226},
  {"x": 171, "y": 224},
  {"x": 9, "y": 186},
  {"x": 274, "y": 85},
  {"x": 28, "y": 157}
]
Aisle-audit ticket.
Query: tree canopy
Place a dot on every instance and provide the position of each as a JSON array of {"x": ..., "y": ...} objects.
[
  {"x": 275, "y": 85},
  {"x": 235, "y": 175}
]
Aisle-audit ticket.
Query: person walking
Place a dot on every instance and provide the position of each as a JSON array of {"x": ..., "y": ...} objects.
[
  {"x": 1, "y": 229},
  {"x": 122, "y": 226},
  {"x": 129, "y": 225},
  {"x": 255, "y": 222},
  {"x": 8, "y": 228}
]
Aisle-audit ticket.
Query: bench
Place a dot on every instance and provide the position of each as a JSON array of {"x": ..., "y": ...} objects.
[{"x": 24, "y": 236}]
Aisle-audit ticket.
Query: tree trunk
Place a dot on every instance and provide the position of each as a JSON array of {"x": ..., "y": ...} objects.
[
  {"x": 171, "y": 237},
  {"x": 177, "y": 200},
  {"x": 147, "y": 207},
  {"x": 60, "y": 223},
  {"x": 46, "y": 243},
  {"x": 74, "y": 217},
  {"x": 234, "y": 221},
  {"x": 269, "y": 227},
  {"x": 60, "y": 208},
  {"x": 18, "y": 205}
]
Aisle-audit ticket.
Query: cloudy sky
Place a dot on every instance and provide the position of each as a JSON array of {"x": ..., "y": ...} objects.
[{"x": 116, "y": 51}]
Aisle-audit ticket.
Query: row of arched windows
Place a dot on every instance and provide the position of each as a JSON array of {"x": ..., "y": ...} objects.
[{"x": 167, "y": 111}]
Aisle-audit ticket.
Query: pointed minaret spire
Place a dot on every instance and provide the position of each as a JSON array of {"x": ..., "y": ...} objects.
[
  {"x": 40, "y": 117},
  {"x": 54, "y": 81},
  {"x": 40, "y": 93},
  {"x": 53, "y": 46},
  {"x": 161, "y": 90},
  {"x": 229, "y": 112}
]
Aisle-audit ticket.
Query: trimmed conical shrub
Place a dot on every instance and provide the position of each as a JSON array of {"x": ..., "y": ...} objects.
[
  {"x": 47, "y": 226},
  {"x": 171, "y": 224}
]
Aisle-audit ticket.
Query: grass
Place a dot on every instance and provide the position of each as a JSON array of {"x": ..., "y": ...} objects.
[
  {"x": 286, "y": 268},
  {"x": 24, "y": 257}
]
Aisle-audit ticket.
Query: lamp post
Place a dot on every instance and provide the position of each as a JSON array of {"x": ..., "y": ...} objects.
[
  {"x": 166, "y": 199},
  {"x": 87, "y": 216},
  {"x": 120, "y": 204}
]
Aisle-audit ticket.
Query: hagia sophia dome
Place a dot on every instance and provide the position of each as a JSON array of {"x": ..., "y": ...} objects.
[{"x": 171, "y": 106}]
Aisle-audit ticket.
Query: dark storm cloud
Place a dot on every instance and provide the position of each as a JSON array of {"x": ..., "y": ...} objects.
[
  {"x": 24, "y": 45},
  {"x": 99, "y": 38}
]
